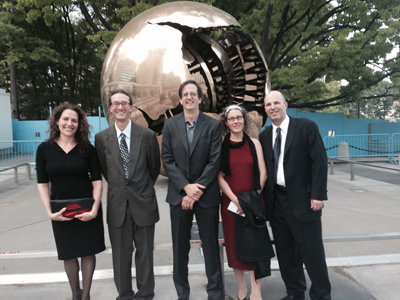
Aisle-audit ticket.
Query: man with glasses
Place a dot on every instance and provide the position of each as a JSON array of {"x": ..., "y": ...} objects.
[
  {"x": 130, "y": 162},
  {"x": 191, "y": 154}
]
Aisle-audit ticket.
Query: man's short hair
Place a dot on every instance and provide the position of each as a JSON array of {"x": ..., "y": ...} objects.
[
  {"x": 199, "y": 89},
  {"x": 119, "y": 92}
]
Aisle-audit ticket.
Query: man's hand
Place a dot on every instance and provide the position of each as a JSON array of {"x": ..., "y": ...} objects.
[
  {"x": 187, "y": 203},
  {"x": 194, "y": 190},
  {"x": 316, "y": 204}
]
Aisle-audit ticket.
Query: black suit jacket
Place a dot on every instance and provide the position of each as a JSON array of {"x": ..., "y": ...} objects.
[
  {"x": 305, "y": 168},
  {"x": 144, "y": 168},
  {"x": 200, "y": 164}
]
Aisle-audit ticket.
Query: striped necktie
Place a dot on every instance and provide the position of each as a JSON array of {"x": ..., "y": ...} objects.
[{"x": 124, "y": 154}]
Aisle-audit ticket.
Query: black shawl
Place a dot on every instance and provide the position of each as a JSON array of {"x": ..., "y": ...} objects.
[{"x": 225, "y": 166}]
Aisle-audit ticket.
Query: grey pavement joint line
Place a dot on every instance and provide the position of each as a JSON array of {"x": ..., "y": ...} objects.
[{"x": 36, "y": 278}]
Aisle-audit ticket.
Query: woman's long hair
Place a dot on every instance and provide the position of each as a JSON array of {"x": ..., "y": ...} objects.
[{"x": 81, "y": 135}]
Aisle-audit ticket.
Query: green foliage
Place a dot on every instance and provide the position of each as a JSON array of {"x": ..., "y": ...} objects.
[
  {"x": 308, "y": 44},
  {"x": 55, "y": 61},
  {"x": 310, "y": 47},
  {"x": 378, "y": 102}
]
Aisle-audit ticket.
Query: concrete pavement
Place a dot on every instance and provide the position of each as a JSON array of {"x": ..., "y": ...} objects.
[{"x": 358, "y": 270}]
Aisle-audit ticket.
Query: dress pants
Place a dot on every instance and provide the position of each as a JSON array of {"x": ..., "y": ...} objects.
[
  {"x": 122, "y": 239},
  {"x": 181, "y": 224},
  {"x": 297, "y": 243}
]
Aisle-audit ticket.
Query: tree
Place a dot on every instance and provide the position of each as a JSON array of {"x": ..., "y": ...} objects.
[
  {"x": 310, "y": 43},
  {"x": 396, "y": 110},
  {"x": 377, "y": 105},
  {"x": 307, "y": 44},
  {"x": 55, "y": 61},
  {"x": 16, "y": 46},
  {"x": 55, "y": 49}
]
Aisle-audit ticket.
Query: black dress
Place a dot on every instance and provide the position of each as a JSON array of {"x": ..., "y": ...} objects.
[{"x": 71, "y": 177}]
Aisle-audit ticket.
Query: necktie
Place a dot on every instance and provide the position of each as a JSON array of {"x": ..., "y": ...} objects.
[
  {"x": 124, "y": 154},
  {"x": 277, "y": 152}
]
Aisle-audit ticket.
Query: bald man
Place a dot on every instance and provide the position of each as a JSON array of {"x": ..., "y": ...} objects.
[{"x": 294, "y": 193}]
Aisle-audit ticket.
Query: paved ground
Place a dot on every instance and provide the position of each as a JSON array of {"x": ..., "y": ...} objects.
[{"x": 358, "y": 270}]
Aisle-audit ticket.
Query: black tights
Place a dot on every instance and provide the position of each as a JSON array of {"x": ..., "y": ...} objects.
[{"x": 71, "y": 267}]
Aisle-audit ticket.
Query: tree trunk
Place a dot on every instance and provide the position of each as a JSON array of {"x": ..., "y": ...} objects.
[{"x": 14, "y": 98}]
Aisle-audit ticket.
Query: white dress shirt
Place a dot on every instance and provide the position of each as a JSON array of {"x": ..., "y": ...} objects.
[
  {"x": 127, "y": 132},
  {"x": 284, "y": 129}
]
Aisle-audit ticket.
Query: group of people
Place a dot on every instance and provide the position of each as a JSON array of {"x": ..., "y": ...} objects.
[{"x": 280, "y": 177}]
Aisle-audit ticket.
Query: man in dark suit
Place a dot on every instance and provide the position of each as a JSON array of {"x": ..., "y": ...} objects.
[
  {"x": 130, "y": 161},
  {"x": 296, "y": 187},
  {"x": 191, "y": 154}
]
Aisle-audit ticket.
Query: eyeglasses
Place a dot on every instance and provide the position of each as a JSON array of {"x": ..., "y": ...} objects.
[
  {"x": 238, "y": 118},
  {"x": 116, "y": 104},
  {"x": 185, "y": 95}
]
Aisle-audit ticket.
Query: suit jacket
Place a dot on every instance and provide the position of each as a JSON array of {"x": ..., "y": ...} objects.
[
  {"x": 253, "y": 243},
  {"x": 305, "y": 168},
  {"x": 138, "y": 188},
  {"x": 200, "y": 164}
]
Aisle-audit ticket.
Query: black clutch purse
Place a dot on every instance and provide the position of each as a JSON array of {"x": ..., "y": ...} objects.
[{"x": 74, "y": 206}]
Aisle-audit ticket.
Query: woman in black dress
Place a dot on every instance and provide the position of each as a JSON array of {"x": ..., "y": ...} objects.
[{"x": 70, "y": 163}]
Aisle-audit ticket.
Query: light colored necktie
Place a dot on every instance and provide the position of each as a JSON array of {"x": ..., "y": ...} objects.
[{"x": 124, "y": 154}]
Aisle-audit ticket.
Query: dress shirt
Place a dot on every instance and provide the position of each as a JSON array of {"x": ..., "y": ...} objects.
[
  {"x": 284, "y": 129},
  {"x": 127, "y": 132},
  {"x": 190, "y": 129}
]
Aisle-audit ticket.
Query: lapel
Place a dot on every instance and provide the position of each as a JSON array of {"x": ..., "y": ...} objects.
[
  {"x": 268, "y": 141},
  {"x": 201, "y": 122},
  {"x": 292, "y": 130},
  {"x": 112, "y": 141},
  {"x": 136, "y": 142},
  {"x": 182, "y": 131}
]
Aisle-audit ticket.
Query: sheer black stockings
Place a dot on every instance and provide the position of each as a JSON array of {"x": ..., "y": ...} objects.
[{"x": 71, "y": 267}]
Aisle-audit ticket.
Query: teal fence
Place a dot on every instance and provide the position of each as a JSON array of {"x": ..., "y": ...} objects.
[
  {"x": 340, "y": 146},
  {"x": 14, "y": 153},
  {"x": 363, "y": 145}
]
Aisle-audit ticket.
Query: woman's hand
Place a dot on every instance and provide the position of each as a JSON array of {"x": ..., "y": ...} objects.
[
  {"x": 236, "y": 201},
  {"x": 58, "y": 216},
  {"x": 87, "y": 216}
]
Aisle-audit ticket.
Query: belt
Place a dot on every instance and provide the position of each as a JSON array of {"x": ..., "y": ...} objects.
[{"x": 280, "y": 188}]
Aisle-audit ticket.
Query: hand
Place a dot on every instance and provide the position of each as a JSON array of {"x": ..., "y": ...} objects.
[
  {"x": 87, "y": 216},
  {"x": 239, "y": 210},
  {"x": 58, "y": 216},
  {"x": 187, "y": 203},
  {"x": 316, "y": 204},
  {"x": 193, "y": 190}
]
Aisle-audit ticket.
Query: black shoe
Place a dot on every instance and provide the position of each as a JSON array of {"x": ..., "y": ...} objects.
[
  {"x": 237, "y": 298},
  {"x": 291, "y": 297}
]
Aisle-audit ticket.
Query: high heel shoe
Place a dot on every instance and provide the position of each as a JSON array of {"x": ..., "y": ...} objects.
[
  {"x": 79, "y": 295},
  {"x": 237, "y": 298}
]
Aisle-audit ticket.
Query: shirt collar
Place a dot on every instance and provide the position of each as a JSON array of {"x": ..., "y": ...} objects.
[
  {"x": 194, "y": 122},
  {"x": 284, "y": 125},
  {"x": 127, "y": 130}
]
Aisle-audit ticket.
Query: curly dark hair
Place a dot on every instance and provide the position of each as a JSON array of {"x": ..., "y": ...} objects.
[
  {"x": 81, "y": 135},
  {"x": 224, "y": 118}
]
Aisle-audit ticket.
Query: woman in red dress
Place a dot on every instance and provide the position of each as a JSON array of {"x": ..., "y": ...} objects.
[{"x": 239, "y": 173}]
